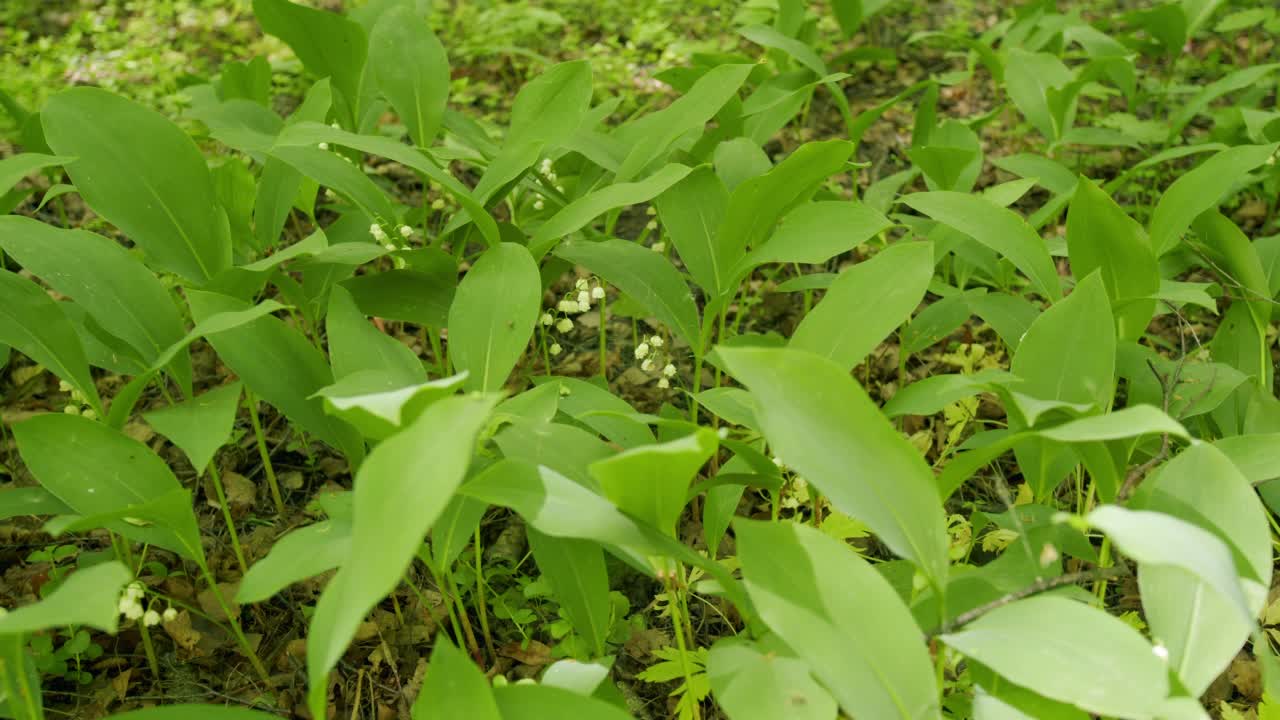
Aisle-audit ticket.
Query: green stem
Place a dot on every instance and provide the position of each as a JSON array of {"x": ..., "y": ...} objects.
[
  {"x": 1104, "y": 561},
  {"x": 677, "y": 623},
  {"x": 216, "y": 477},
  {"x": 481, "y": 606},
  {"x": 236, "y": 630},
  {"x": 604, "y": 345},
  {"x": 150, "y": 650},
  {"x": 267, "y": 468}
]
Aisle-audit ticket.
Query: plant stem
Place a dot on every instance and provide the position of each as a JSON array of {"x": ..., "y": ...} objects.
[
  {"x": 481, "y": 607},
  {"x": 236, "y": 630},
  {"x": 1043, "y": 585},
  {"x": 150, "y": 650},
  {"x": 677, "y": 623},
  {"x": 216, "y": 477},
  {"x": 252, "y": 401},
  {"x": 604, "y": 345}
]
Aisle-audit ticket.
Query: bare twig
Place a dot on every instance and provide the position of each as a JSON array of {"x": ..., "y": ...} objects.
[{"x": 1035, "y": 588}]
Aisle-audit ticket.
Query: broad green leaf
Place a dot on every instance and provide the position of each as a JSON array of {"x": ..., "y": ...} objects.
[
  {"x": 546, "y": 113},
  {"x": 90, "y": 596},
  {"x": 165, "y": 202},
  {"x": 13, "y": 169},
  {"x": 329, "y": 45},
  {"x": 115, "y": 289},
  {"x": 820, "y": 422},
  {"x": 378, "y": 404},
  {"x": 1256, "y": 456},
  {"x": 757, "y": 204},
  {"x": 866, "y": 303},
  {"x": 841, "y": 617},
  {"x": 1100, "y": 236},
  {"x": 411, "y": 70},
  {"x": 647, "y": 277},
  {"x": 201, "y": 425},
  {"x": 1084, "y": 656},
  {"x": 309, "y": 132},
  {"x": 1237, "y": 258},
  {"x": 331, "y": 170},
  {"x": 15, "y": 502},
  {"x": 1154, "y": 538},
  {"x": 998, "y": 228},
  {"x": 32, "y": 322},
  {"x": 537, "y": 702},
  {"x": 937, "y": 321},
  {"x": 651, "y": 482},
  {"x": 20, "y": 695},
  {"x": 356, "y": 344},
  {"x": 301, "y": 553},
  {"x": 580, "y": 212},
  {"x": 1237, "y": 80},
  {"x": 1199, "y": 627},
  {"x": 1201, "y": 189},
  {"x": 420, "y": 297},
  {"x": 493, "y": 315},
  {"x": 1202, "y": 486},
  {"x": 737, "y": 161},
  {"x": 575, "y": 570},
  {"x": 454, "y": 688},
  {"x": 1009, "y": 315},
  {"x": 652, "y": 134},
  {"x": 98, "y": 471},
  {"x": 816, "y": 232},
  {"x": 1069, "y": 352},
  {"x": 1029, "y": 77},
  {"x": 932, "y": 394},
  {"x": 580, "y": 677},
  {"x": 400, "y": 490},
  {"x": 753, "y": 685},
  {"x": 691, "y": 211},
  {"x": 603, "y": 412},
  {"x": 256, "y": 352}
]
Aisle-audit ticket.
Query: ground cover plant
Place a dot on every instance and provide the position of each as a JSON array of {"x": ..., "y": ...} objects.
[{"x": 761, "y": 360}]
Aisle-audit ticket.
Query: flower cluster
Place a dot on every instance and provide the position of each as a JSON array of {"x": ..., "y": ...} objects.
[
  {"x": 79, "y": 404},
  {"x": 545, "y": 169},
  {"x": 575, "y": 302},
  {"x": 131, "y": 607},
  {"x": 652, "y": 353},
  {"x": 380, "y": 236}
]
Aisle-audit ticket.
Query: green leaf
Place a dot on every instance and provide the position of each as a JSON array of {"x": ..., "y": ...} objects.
[
  {"x": 820, "y": 422},
  {"x": 651, "y": 482},
  {"x": 841, "y": 617},
  {"x": 866, "y": 303},
  {"x": 1154, "y": 538},
  {"x": 691, "y": 211},
  {"x": 13, "y": 169},
  {"x": 420, "y": 297},
  {"x": 379, "y": 404},
  {"x": 411, "y": 70},
  {"x": 1237, "y": 258},
  {"x": 309, "y": 133},
  {"x": 257, "y": 350},
  {"x": 165, "y": 202},
  {"x": 546, "y": 113},
  {"x": 757, "y": 204},
  {"x": 356, "y": 344},
  {"x": 331, "y": 170},
  {"x": 329, "y": 45},
  {"x": 113, "y": 287},
  {"x": 816, "y": 232},
  {"x": 20, "y": 696},
  {"x": 1069, "y": 352},
  {"x": 1100, "y": 236},
  {"x": 576, "y": 572},
  {"x": 454, "y": 688},
  {"x": 652, "y": 134},
  {"x": 201, "y": 425},
  {"x": 1237, "y": 80},
  {"x": 90, "y": 596},
  {"x": 577, "y": 214},
  {"x": 400, "y": 490},
  {"x": 1256, "y": 456},
  {"x": 645, "y": 276},
  {"x": 301, "y": 553},
  {"x": 493, "y": 315},
  {"x": 98, "y": 471},
  {"x": 15, "y": 502},
  {"x": 752, "y": 685},
  {"x": 1201, "y": 189},
  {"x": 932, "y": 394},
  {"x": 1029, "y": 77},
  {"x": 32, "y": 322},
  {"x": 998, "y": 228},
  {"x": 538, "y": 702},
  {"x": 1084, "y": 656},
  {"x": 603, "y": 412}
]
